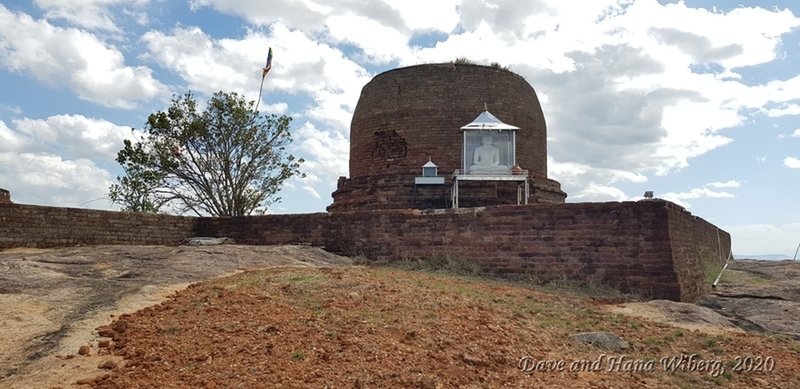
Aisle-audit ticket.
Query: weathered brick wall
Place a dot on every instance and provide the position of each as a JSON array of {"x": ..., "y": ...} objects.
[
  {"x": 37, "y": 226},
  {"x": 5, "y": 196},
  {"x": 699, "y": 250},
  {"x": 651, "y": 247},
  {"x": 624, "y": 245},
  {"x": 404, "y": 116}
]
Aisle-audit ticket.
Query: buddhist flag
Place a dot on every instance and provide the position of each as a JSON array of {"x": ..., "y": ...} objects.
[
  {"x": 268, "y": 66},
  {"x": 265, "y": 70}
]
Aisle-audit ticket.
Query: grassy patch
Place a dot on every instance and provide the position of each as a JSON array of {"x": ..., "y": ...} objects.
[
  {"x": 443, "y": 263},
  {"x": 742, "y": 278},
  {"x": 298, "y": 356},
  {"x": 171, "y": 330}
]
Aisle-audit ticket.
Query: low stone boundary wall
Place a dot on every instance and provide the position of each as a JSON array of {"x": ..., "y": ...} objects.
[
  {"x": 654, "y": 248},
  {"x": 38, "y": 226}
]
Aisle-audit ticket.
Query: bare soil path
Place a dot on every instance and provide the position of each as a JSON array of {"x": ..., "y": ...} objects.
[{"x": 52, "y": 300}]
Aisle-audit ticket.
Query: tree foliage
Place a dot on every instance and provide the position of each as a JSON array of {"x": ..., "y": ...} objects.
[{"x": 224, "y": 160}]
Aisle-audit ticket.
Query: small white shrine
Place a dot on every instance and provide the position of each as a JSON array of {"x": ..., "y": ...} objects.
[{"x": 489, "y": 154}]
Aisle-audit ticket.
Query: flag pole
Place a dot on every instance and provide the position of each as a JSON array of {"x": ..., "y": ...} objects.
[
  {"x": 259, "y": 93},
  {"x": 264, "y": 72}
]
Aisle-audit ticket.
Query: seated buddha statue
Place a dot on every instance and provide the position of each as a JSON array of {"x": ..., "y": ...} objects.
[{"x": 486, "y": 158}]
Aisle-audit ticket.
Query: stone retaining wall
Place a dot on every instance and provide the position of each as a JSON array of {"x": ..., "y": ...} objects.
[
  {"x": 654, "y": 248},
  {"x": 37, "y": 226}
]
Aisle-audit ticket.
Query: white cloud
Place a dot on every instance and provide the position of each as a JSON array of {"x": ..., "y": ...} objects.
[
  {"x": 278, "y": 108},
  {"x": 791, "y": 163},
  {"x": 616, "y": 78},
  {"x": 760, "y": 239},
  {"x": 11, "y": 140},
  {"x": 206, "y": 65},
  {"x": 380, "y": 43},
  {"x": 71, "y": 136},
  {"x": 694, "y": 193},
  {"x": 306, "y": 15},
  {"x": 440, "y": 15},
  {"x": 43, "y": 178},
  {"x": 586, "y": 183},
  {"x": 598, "y": 192},
  {"x": 796, "y": 133},
  {"x": 300, "y": 64},
  {"x": 91, "y": 14},
  {"x": 784, "y": 110},
  {"x": 742, "y": 37},
  {"x": 16, "y": 110},
  {"x": 94, "y": 70},
  {"x": 726, "y": 184},
  {"x": 326, "y": 153}
]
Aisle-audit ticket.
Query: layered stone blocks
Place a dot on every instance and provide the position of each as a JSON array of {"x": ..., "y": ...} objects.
[
  {"x": 654, "y": 248},
  {"x": 407, "y": 115}
]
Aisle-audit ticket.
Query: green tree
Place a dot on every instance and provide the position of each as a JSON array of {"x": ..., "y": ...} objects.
[{"x": 225, "y": 160}]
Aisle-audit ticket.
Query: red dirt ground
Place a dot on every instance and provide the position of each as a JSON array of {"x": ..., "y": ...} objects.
[{"x": 367, "y": 327}]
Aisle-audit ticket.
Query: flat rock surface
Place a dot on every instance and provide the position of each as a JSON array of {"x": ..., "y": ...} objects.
[
  {"x": 759, "y": 295},
  {"x": 684, "y": 315},
  {"x": 52, "y": 300},
  {"x": 752, "y": 295}
]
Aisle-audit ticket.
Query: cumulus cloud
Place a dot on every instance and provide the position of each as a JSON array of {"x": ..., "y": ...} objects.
[
  {"x": 204, "y": 64},
  {"x": 11, "y": 140},
  {"x": 300, "y": 64},
  {"x": 586, "y": 183},
  {"x": 54, "y": 161},
  {"x": 44, "y": 178},
  {"x": 726, "y": 184},
  {"x": 327, "y": 156},
  {"x": 692, "y": 194},
  {"x": 697, "y": 193},
  {"x": 698, "y": 47},
  {"x": 313, "y": 17},
  {"x": 93, "y": 69},
  {"x": 744, "y": 36},
  {"x": 90, "y": 14},
  {"x": 764, "y": 238},
  {"x": 380, "y": 29},
  {"x": 615, "y": 77},
  {"x": 379, "y": 43},
  {"x": 72, "y": 136},
  {"x": 791, "y": 162},
  {"x": 598, "y": 192},
  {"x": 784, "y": 110}
]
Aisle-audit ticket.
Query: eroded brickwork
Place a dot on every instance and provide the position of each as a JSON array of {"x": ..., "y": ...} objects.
[
  {"x": 651, "y": 247},
  {"x": 404, "y": 116},
  {"x": 699, "y": 250},
  {"x": 37, "y": 226},
  {"x": 5, "y": 196},
  {"x": 624, "y": 245}
]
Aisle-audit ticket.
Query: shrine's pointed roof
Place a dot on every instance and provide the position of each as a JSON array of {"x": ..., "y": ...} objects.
[{"x": 487, "y": 121}]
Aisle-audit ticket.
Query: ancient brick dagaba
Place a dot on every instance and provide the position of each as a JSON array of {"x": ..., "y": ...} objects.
[{"x": 409, "y": 115}]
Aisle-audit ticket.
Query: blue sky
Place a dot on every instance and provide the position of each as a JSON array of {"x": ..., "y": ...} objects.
[{"x": 698, "y": 101}]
